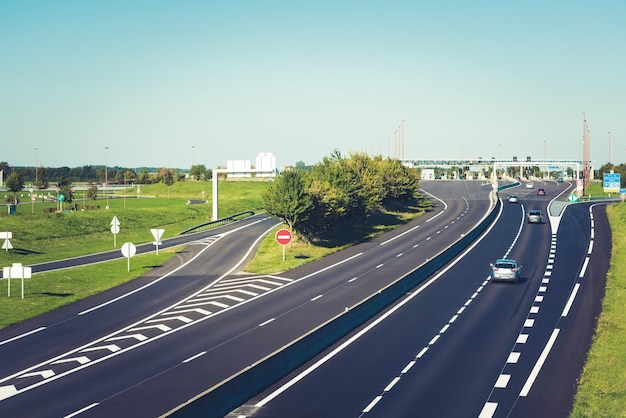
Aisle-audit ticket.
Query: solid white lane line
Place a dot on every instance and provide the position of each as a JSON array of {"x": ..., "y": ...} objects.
[
  {"x": 542, "y": 358},
  {"x": 570, "y": 301},
  {"x": 22, "y": 335}
]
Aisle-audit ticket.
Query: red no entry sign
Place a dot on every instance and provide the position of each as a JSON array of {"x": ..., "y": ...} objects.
[{"x": 283, "y": 236}]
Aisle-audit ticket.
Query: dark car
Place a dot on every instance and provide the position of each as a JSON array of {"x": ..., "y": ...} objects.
[{"x": 541, "y": 192}]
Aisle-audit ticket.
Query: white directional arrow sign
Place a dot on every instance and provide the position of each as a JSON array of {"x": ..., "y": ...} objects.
[
  {"x": 157, "y": 234},
  {"x": 115, "y": 229}
]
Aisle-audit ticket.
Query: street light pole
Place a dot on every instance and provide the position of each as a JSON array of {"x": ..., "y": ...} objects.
[
  {"x": 36, "y": 163},
  {"x": 106, "y": 175},
  {"x": 609, "y": 147}
]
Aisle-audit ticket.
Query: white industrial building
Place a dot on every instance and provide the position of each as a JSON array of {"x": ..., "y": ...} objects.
[{"x": 265, "y": 167}]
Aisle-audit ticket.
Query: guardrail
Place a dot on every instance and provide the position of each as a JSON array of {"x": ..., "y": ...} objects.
[
  {"x": 227, "y": 395},
  {"x": 209, "y": 224}
]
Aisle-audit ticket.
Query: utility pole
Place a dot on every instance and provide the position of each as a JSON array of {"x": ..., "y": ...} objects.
[{"x": 609, "y": 147}]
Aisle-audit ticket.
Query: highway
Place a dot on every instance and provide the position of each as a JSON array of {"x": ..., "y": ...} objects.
[
  {"x": 143, "y": 348},
  {"x": 463, "y": 346}
]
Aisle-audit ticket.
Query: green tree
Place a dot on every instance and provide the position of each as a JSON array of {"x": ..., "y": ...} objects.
[
  {"x": 287, "y": 198},
  {"x": 199, "y": 172},
  {"x": 400, "y": 184},
  {"x": 143, "y": 177},
  {"x": 129, "y": 175},
  {"x": 92, "y": 192},
  {"x": 65, "y": 188},
  {"x": 14, "y": 184},
  {"x": 41, "y": 178}
]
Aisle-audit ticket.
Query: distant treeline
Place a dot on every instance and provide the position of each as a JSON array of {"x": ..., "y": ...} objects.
[{"x": 86, "y": 174}]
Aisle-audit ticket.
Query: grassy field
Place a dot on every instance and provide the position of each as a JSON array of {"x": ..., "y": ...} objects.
[
  {"x": 39, "y": 237},
  {"x": 602, "y": 387}
]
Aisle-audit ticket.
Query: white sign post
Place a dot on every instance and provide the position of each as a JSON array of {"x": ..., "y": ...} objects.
[
  {"x": 7, "y": 244},
  {"x": 128, "y": 251},
  {"x": 157, "y": 234},
  {"x": 115, "y": 229},
  {"x": 16, "y": 271}
]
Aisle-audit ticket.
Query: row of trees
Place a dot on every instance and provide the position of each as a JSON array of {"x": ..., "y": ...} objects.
[
  {"x": 41, "y": 177},
  {"x": 339, "y": 191},
  {"x": 15, "y": 179}
]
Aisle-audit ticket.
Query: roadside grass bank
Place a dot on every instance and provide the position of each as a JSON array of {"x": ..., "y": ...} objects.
[
  {"x": 269, "y": 257},
  {"x": 602, "y": 387}
]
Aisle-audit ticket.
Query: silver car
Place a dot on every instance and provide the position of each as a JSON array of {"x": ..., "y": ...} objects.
[
  {"x": 505, "y": 269},
  {"x": 535, "y": 217}
]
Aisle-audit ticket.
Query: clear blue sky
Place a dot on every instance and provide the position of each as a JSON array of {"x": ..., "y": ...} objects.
[{"x": 171, "y": 83}]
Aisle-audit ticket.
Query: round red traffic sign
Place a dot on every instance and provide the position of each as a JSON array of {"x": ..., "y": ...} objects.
[{"x": 283, "y": 236}]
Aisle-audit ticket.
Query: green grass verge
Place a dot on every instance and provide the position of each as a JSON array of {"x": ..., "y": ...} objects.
[
  {"x": 40, "y": 237},
  {"x": 602, "y": 386},
  {"x": 269, "y": 257},
  {"x": 44, "y": 292}
]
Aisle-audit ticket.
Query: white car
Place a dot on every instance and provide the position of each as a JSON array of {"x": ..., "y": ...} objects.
[
  {"x": 530, "y": 185},
  {"x": 512, "y": 198}
]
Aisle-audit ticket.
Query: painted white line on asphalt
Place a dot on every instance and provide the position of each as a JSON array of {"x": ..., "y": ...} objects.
[
  {"x": 488, "y": 410},
  {"x": 22, "y": 336},
  {"x": 542, "y": 358},
  {"x": 503, "y": 380},
  {"x": 392, "y": 384},
  {"x": 513, "y": 357},
  {"x": 194, "y": 357},
  {"x": 267, "y": 322},
  {"x": 80, "y": 411},
  {"x": 421, "y": 353},
  {"x": 570, "y": 301},
  {"x": 372, "y": 404},
  {"x": 584, "y": 269},
  {"x": 408, "y": 367}
]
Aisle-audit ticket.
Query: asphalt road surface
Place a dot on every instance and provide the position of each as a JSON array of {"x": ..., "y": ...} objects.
[
  {"x": 462, "y": 346},
  {"x": 148, "y": 346}
]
